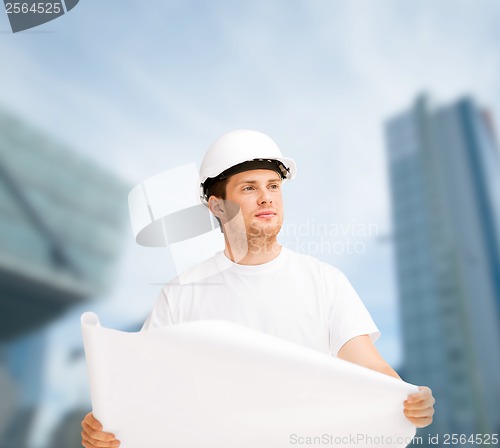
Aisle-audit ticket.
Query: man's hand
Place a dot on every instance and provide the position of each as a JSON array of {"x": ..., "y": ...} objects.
[
  {"x": 94, "y": 437},
  {"x": 419, "y": 407}
]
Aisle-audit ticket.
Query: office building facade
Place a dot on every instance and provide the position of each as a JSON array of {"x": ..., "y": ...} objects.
[
  {"x": 62, "y": 221},
  {"x": 444, "y": 167}
]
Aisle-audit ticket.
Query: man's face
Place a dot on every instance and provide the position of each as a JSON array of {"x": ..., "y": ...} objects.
[{"x": 256, "y": 194}]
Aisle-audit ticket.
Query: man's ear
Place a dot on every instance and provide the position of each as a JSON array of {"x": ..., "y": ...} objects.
[{"x": 216, "y": 206}]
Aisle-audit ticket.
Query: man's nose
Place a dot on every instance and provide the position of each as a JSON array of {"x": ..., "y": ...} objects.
[{"x": 264, "y": 196}]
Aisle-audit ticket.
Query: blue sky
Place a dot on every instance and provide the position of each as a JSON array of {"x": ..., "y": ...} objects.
[{"x": 140, "y": 87}]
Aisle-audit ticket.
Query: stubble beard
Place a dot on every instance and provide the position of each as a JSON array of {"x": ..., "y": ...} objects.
[{"x": 262, "y": 238}]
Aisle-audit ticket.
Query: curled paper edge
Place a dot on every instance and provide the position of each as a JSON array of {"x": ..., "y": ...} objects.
[{"x": 90, "y": 318}]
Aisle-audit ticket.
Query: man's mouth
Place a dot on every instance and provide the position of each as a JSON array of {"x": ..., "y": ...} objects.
[{"x": 265, "y": 214}]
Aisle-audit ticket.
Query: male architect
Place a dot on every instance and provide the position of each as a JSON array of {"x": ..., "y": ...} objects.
[{"x": 257, "y": 282}]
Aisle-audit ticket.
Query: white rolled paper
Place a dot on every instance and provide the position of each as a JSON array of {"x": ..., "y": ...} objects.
[{"x": 217, "y": 384}]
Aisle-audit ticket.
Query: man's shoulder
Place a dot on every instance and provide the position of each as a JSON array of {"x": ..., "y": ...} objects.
[
  {"x": 202, "y": 271},
  {"x": 310, "y": 262}
]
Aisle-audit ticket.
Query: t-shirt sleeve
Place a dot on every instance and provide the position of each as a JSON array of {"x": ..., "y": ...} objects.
[
  {"x": 348, "y": 316},
  {"x": 160, "y": 315}
]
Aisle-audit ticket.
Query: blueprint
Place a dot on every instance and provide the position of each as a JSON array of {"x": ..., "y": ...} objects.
[{"x": 218, "y": 384}]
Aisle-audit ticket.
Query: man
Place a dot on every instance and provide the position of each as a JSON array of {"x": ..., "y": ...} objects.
[{"x": 260, "y": 284}]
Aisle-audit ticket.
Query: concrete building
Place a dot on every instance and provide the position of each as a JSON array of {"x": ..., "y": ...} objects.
[
  {"x": 61, "y": 230},
  {"x": 444, "y": 167}
]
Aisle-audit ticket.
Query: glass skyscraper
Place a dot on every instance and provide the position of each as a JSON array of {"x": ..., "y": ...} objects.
[
  {"x": 62, "y": 219},
  {"x": 61, "y": 226},
  {"x": 444, "y": 166}
]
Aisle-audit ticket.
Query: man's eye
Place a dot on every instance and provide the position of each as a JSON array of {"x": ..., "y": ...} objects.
[
  {"x": 247, "y": 188},
  {"x": 274, "y": 186}
]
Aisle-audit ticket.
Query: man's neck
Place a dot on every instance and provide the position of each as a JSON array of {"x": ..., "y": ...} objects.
[{"x": 256, "y": 252}]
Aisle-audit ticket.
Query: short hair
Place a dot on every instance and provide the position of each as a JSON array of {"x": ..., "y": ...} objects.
[{"x": 217, "y": 188}]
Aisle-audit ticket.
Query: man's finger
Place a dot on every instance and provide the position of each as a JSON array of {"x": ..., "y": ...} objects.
[
  {"x": 419, "y": 404},
  {"x": 88, "y": 439},
  {"x": 92, "y": 421},
  {"x": 417, "y": 413},
  {"x": 423, "y": 394},
  {"x": 85, "y": 441},
  {"x": 87, "y": 444},
  {"x": 98, "y": 435},
  {"x": 421, "y": 422}
]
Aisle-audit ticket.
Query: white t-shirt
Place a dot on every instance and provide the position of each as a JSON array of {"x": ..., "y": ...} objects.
[{"x": 294, "y": 297}]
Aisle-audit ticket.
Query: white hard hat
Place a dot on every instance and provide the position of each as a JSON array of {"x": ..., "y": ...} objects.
[{"x": 235, "y": 148}]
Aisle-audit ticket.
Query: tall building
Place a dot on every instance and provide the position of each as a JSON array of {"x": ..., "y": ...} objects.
[
  {"x": 61, "y": 231},
  {"x": 61, "y": 224},
  {"x": 444, "y": 167}
]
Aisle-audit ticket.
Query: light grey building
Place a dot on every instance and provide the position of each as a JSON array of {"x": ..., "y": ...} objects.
[
  {"x": 444, "y": 167},
  {"x": 61, "y": 225},
  {"x": 62, "y": 221}
]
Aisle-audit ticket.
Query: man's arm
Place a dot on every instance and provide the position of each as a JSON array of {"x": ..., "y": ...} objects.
[
  {"x": 361, "y": 350},
  {"x": 418, "y": 407}
]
